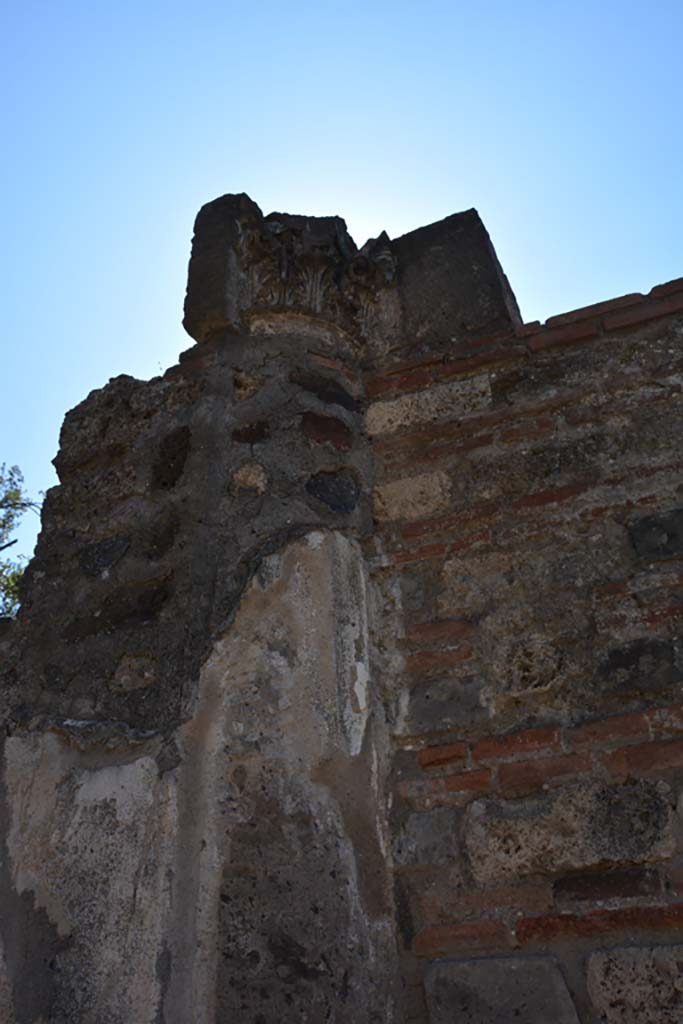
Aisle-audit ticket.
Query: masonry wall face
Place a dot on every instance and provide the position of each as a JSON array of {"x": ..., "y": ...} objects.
[{"x": 347, "y": 680}]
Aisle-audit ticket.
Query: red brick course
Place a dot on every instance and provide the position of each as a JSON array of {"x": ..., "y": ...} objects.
[
  {"x": 520, "y": 777},
  {"x": 433, "y": 632},
  {"x": 476, "y": 936},
  {"x": 646, "y": 759},
  {"x": 497, "y": 747},
  {"x": 598, "y": 922},
  {"x": 457, "y": 906},
  {"x": 437, "y": 757},
  {"x": 425, "y": 662},
  {"x": 610, "y": 731}
]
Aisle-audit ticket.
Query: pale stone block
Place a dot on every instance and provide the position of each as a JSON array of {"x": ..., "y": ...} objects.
[
  {"x": 440, "y": 402},
  {"x": 578, "y": 827},
  {"x": 413, "y": 498},
  {"x": 638, "y": 985}
]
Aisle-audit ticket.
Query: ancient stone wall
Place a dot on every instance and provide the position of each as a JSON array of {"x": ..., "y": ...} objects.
[
  {"x": 529, "y": 503},
  {"x": 346, "y": 684}
]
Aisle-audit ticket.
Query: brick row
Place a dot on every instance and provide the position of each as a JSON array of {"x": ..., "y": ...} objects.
[{"x": 637, "y": 744}]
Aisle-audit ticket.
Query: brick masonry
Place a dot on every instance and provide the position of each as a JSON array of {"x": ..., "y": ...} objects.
[{"x": 542, "y": 639}]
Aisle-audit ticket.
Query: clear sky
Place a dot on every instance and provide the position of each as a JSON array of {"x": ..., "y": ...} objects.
[{"x": 559, "y": 121}]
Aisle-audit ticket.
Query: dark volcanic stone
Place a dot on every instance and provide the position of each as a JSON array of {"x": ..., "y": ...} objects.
[
  {"x": 340, "y": 491},
  {"x": 644, "y": 665},
  {"x": 102, "y": 555},
  {"x": 252, "y": 433},
  {"x": 659, "y": 536},
  {"x": 329, "y": 391},
  {"x": 528, "y": 990},
  {"x": 171, "y": 459},
  {"x": 133, "y": 604}
]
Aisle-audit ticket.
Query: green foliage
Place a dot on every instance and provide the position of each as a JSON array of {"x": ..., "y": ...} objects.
[
  {"x": 10, "y": 575},
  {"x": 13, "y": 503}
]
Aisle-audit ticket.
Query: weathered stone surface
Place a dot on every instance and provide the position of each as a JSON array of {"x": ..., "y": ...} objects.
[
  {"x": 284, "y": 745},
  {"x": 412, "y": 498},
  {"x": 643, "y": 665},
  {"x": 659, "y": 536},
  {"x": 250, "y": 477},
  {"x": 451, "y": 284},
  {"x": 532, "y": 991},
  {"x": 442, "y": 402},
  {"x": 227, "y": 864},
  {"x": 106, "y": 838},
  {"x": 428, "y": 838},
  {"x": 434, "y": 287},
  {"x": 576, "y": 828},
  {"x": 339, "y": 490},
  {"x": 637, "y": 985}
]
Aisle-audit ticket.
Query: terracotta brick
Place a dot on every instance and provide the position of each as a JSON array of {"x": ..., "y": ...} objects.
[
  {"x": 571, "y": 334},
  {"x": 433, "y": 524},
  {"x": 646, "y": 759},
  {"x": 451, "y": 451},
  {"x": 598, "y": 922},
  {"x": 644, "y": 312},
  {"x": 419, "y": 377},
  {"x": 491, "y": 358},
  {"x": 424, "y": 662},
  {"x": 670, "y": 288},
  {"x": 334, "y": 364},
  {"x": 492, "y": 747},
  {"x": 529, "y": 431},
  {"x": 326, "y": 429},
  {"x": 524, "y": 330},
  {"x": 507, "y": 334},
  {"x": 666, "y": 721},
  {"x": 615, "y": 586},
  {"x": 475, "y": 936},
  {"x": 421, "y": 554},
  {"x": 619, "y": 883},
  {"x": 408, "y": 380},
  {"x": 550, "y": 497},
  {"x": 481, "y": 537},
  {"x": 610, "y": 731},
  {"x": 656, "y": 615},
  {"x": 519, "y": 777},
  {"x": 596, "y": 309},
  {"x": 468, "y": 782},
  {"x": 447, "y": 905},
  {"x": 437, "y": 757},
  {"x": 433, "y": 632}
]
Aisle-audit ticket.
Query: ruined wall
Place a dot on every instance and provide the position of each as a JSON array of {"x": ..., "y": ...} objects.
[
  {"x": 529, "y": 502},
  {"x": 346, "y": 683}
]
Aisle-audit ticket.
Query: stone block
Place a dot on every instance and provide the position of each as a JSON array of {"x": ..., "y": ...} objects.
[
  {"x": 637, "y": 985},
  {"x": 451, "y": 284},
  {"x": 659, "y": 536},
  {"x": 441, "y": 402},
  {"x": 497, "y": 991},
  {"x": 428, "y": 837},
  {"x": 578, "y": 827},
  {"x": 413, "y": 498}
]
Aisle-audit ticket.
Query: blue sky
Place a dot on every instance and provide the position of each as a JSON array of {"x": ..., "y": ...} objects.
[{"x": 559, "y": 122}]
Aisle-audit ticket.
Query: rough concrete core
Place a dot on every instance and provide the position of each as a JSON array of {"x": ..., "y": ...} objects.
[{"x": 346, "y": 682}]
